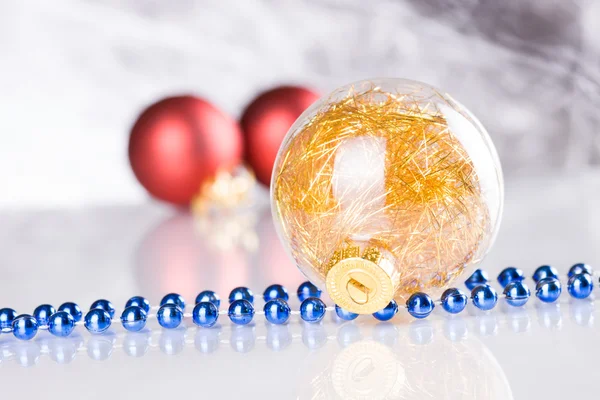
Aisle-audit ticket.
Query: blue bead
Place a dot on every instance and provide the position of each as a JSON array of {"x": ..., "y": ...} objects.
[
  {"x": 454, "y": 300},
  {"x": 478, "y": 277},
  {"x": 306, "y": 290},
  {"x": 72, "y": 309},
  {"x": 345, "y": 315},
  {"x": 133, "y": 318},
  {"x": 169, "y": 316},
  {"x": 173, "y": 298},
  {"x": 484, "y": 297},
  {"x": 24, "y": 327},
  {"x": 97, "y": 320},
  {"x": 205, "y": 314},
  {"x": 277, "y": 311},
  {"x": 312, "y": 310},
  {"x": 516, "y": 293},
  {"x": 139, "y": 301},
  {"x": 42, "y": 314},
  {"x": 548, "y": 289},
  {"x": 545, "y": 271},
  {"x": 241, "y": 312},
  {"x": 61, "y": 324},
  {"x": 580, "y": 268},
  {"x": 510, "y": 274},
  {"x": 580, "y": 286},
  {"x": 104, "y": 305},
  {"x": 388, "y": 312},
  {"x": 241, "y": 293},
  {"x": 419, "y": 305},
  {"x": 7, "y": 316},
  {"x": 209, "y": 296},
  {"x": 275, "y": 292}
]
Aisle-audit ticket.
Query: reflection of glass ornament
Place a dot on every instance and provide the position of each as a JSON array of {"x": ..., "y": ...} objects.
[{"x": 386, "y": 188}]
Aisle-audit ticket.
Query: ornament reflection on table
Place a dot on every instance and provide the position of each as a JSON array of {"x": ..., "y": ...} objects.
[{"x": 385, "y": 188}]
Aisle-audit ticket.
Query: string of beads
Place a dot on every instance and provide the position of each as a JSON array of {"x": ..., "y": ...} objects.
[{"x": 276, "y": 310}]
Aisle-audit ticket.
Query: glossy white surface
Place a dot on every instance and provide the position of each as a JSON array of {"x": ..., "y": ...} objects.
[{"x": 80, "y": 255}]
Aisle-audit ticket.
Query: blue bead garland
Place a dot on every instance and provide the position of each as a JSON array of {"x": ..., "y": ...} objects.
[
  {"x": 104, "y": 305},
  {"x": 241, "y": 311},
  {"x": 208, "y": 296},
  {"x": 516, "y": 294},
  {"x": 484, "y": 297},
  {"x": 275, "y": 292},
  {"x": 175, "y": 299},
  {"x": 61, "y": 324},
  {"x": 548, "y": 289},
  {"x": 97, "y": 320},
  {"x": 24, "y": 327},
  {"x": 205, "y": 314},
  {"x": 454, "y": 300},
  {"x": 388, "y": 312},
  {"x": 42, "y": 314},
  {"x": 306, "y": 290},
  {"x": 72, "y": 309},
  {"x": 139, "y": 301},
  {"x": 419, "y": 305},
  {"x": 277, "y": 311},
  {"x": 133, "y": 318},
  {"x": 241, "y": 293},
  {"x": 312, "y": 310},
  {"x": 169, "y": 316}
]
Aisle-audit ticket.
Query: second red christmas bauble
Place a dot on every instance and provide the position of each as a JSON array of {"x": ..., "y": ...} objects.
[
  {"x": 265, "y": 123},
  {"x": 179, "y": 143}
]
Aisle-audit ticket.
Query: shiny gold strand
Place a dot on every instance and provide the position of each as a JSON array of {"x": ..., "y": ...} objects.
[{"x": 430, "y": 215}]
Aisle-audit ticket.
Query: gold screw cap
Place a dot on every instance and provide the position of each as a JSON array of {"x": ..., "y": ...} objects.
[{"x": 359, "y": 286}]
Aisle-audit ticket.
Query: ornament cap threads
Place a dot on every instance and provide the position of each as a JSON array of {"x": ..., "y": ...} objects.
[{"x": 359, "y": 286}]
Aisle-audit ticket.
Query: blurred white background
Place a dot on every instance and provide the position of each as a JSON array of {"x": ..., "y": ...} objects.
[{"x": 75, "y": 74}]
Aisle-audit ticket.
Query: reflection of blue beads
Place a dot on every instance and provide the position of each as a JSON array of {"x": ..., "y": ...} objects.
[
  {"x": 484, "y": 297},
  {"x": 104, "y": 305},
  {"x": 388, "y": 312},
  {"x": 545, "y": 271},
  {"x": 61, "y": 324},
  {"x": 517, "y": 293},
  {"x": 7, "y": 316},
  {"x": 345, "y": 315},
  {"x": 277, "y": 311},
  {"x": 24, "y": 327},
  {"x": 97, "y": 320},
  {"x": 548, "y": 290},
  {"x": 579, "y": 268},
  {"x": 241, "y": 312},
  {"x": 138, "y": 301},
  {"x": 173, "y": 298},
  {"x": 208, "y": 296},
  {"x": 478, "y": 277},
  {"x": 42, "y": 314},
  {"x": 419, "y": 305},
  {"x": 72, "y": 309},
  {"x": 241, "y": 293},
  {"x": 275, "y": 292},
  {"x": 510, "y": 274},
  {"x": 312, "y": 309},
  {"x": 453, "y": 300},
  {"x": 133, "y": 318},
  {"x": 580, "y": 286},
  {"x": 169, "y": 316},
  {"x": 306, "y": 290},
  {"x": 205, "y": 314}
]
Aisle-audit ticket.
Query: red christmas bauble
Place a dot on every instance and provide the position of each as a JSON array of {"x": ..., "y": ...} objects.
[
  {"x": 265, "y": 122},
  {"x": 179, "y": 143}
]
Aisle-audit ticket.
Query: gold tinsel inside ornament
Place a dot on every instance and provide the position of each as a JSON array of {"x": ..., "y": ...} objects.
[{"x": 389, "y": 187}]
